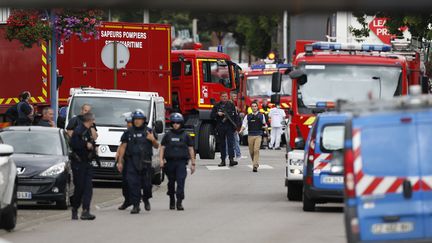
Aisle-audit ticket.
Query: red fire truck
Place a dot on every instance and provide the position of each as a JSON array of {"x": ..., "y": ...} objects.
[
  {"x": 326, "y": 72},
  {"x": 198, "y": 78},
  {"x": 255, "y": 85},
  {"x": 80, "y": 64}
]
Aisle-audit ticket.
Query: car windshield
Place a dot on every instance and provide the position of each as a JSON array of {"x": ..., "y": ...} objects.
[
  {"x": 33, "y": 142},
  {"x": 328, "y": 83},
  {"x": 333, "y": 137},
  {"x": 109, "y": 111},
  {"x": 261, "y": 85}
]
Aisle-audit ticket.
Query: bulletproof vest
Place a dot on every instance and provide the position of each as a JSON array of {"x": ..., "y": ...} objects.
[
  {"x": 21, "y": 114},
  {"x": 255, "y": 124},
  {"x": 176, "y": 147},
  {"x": 139, "y": 149}
]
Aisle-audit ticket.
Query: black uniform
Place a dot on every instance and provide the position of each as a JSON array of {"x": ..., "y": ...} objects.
[
  {"x": 82, "y": 168},
  {"x": 139, "y": 170},
  {"x": 177, "y": 143},
  {"x": 24, "y": 110},
  {"x": 224, "y": 128}
]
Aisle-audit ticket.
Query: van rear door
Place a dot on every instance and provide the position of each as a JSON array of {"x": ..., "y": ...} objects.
[
  {"x": 388, "y": 162},
  {"x": 330, "y": 138},
  {"x": 425, "y": 145}
]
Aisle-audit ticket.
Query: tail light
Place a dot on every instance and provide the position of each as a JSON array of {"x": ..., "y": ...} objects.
[
  {"x": 349, "y": 173},
  {"x": 310, "y": 162}
]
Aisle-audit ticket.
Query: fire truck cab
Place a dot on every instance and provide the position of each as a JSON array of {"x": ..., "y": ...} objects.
[
  {"x": 198, "y": 78},
  {"x": 256, "y": 82},
  {"x": 327, "y": 72}
]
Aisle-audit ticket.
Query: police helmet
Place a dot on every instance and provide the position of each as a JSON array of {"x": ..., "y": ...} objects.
[
  {"x": 176, "y": 117},
  {"x": 138, "y": 114}
]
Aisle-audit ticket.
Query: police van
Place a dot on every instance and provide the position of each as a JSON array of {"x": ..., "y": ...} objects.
[
  {"x": 388, "y": 170},
  {"x": 109, "y": 107},
  {"x": 320, "y": 184}
]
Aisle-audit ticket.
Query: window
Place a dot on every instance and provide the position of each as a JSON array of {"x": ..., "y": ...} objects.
[
  {"x": 216, "y": 72},
  {"x": 187, "y": 68},
  {"x": 176, "y": 70},
  {"x": 332, "y": 138}
]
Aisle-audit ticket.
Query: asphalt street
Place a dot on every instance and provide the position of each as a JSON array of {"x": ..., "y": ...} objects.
[{"x": 221, "y": 205}]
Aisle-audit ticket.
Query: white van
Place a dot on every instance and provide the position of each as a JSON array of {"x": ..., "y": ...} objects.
[{"x": 109, "y": 107}]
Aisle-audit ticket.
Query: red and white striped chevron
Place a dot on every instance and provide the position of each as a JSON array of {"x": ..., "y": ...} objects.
[
  {"x": 367, "y": 185},
  {"x": 321, "y": 162}
]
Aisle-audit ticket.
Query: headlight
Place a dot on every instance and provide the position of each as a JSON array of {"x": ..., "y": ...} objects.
[
  {"x": 296, "y": 162},
  {"x": 54, "y": 170}
]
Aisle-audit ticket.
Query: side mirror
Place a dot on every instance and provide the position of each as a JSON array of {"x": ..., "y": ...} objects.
[
  {"x": 299, "y": 75},
  {"x": 425, "y": 85},
  {"x": 276, "y": 81},
  {"x": 159, "y": 126},
  {"x": 299, "y": 143},
  {"x": 6, "y": 150},
  {"x": 275, "y": 99}
]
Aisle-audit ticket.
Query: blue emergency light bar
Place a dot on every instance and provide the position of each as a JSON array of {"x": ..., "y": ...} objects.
[
  {"x": 333, "y": 46},
  {"x": 270, "y": 66},
  {"x": 325, "y": 104}
]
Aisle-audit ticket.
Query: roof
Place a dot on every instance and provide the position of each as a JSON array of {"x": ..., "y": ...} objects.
[
  {"x": 111, "y": 93},
  {"x": 329, "y": 117},
  {"x": 403, "y": 103},
  {"x": 346, "y": 58},
  {"x": 32, "y": 128},
  {"x": 199, "y": 54}
]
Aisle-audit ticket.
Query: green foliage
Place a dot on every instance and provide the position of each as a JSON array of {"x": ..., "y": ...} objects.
[{"x": 258, "y": 32}]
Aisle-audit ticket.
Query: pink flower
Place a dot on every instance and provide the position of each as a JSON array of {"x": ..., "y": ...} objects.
[
  {"x": 93, "y": 21},
  {"x": 86, "y": 19}
]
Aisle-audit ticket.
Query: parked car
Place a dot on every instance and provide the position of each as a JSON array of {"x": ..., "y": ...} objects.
[
  {"x": 388, "y": 171},
  {"x": 320, "y": 184},
  {"x": 8, "y": 187},
  {"x": 42, "y": 160}
]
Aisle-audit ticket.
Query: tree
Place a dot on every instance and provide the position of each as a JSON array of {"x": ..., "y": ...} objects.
[
  {"x": 418, "y": 25},
  {"x": 259, "y": 31}
]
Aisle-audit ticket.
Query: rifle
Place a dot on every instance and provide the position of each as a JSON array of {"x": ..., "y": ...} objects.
[{"x": 227, "y": 116}]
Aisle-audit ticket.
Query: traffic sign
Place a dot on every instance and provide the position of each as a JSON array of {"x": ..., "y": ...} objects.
[
  {"x": 377, "y": 26},
  {"x": 108, "y": 55}
]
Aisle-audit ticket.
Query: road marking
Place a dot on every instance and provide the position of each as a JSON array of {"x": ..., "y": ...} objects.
[
  {"x": 265, "y": 167},
  {"x": 215, "y": 167}
]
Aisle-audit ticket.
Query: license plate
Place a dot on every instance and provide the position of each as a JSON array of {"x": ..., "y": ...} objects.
[
  {"x": 107, "y": 164},
  {"x": 24, "y": 195},
  {"x": 388, "y": 228},
  {"x": 332, "y": 179}
]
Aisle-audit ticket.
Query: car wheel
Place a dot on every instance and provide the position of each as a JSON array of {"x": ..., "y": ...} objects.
[
  {"x": 64, "y": 203},
  {"x": 294, "y": 191},
  {"x": 207, "y": 142},
  {"x": 9, "y": 213},
  {"x": 308, "y": 204}
]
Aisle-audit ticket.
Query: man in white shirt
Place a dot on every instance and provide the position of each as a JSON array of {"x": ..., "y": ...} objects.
[
  {"x": 255, "y": 123},
  {"x": 276, "y": 116}
]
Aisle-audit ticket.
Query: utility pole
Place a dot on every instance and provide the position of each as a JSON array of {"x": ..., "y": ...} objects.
[
  {"x": 53, "y": 60},
  {"x": 285, "y": 36},
  {"x": 146, "y": 16}
]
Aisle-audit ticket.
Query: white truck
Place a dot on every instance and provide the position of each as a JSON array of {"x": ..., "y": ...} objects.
[{"x": 109, "y": 107}]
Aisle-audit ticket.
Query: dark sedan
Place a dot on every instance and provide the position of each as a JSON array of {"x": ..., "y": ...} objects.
[{"x": 43, "y": 167}]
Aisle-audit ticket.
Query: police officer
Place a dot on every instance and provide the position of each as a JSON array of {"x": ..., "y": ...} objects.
[
  {"x": 177, "y": 149},
  {"x": 82, "y": 169},
  {"x": 136, "y": 148},
  {"x": 125, "y": 190},
  {"x": 76, "y": 120},
  {"x": 225, "y": 115}
]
